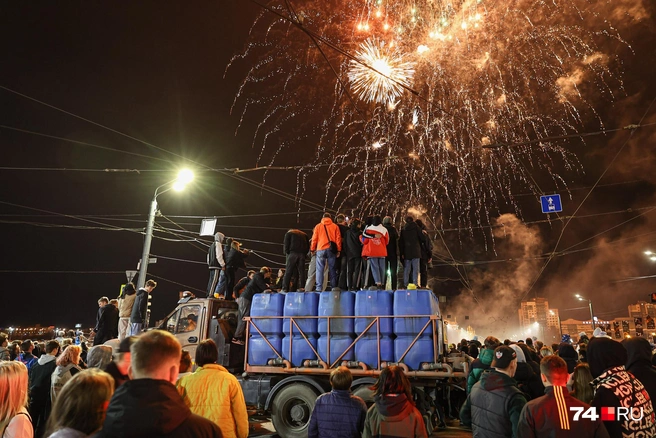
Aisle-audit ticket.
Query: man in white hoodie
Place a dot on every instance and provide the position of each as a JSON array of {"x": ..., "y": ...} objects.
[{"x": 40, "y": 373}]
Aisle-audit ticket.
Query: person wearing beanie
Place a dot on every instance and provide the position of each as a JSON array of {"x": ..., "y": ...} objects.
[
  {"x": 583, "y": 338},
  {"x": 638, "y": 363},
  {"x": 616, "y": 387},
  {"x": 552, "y": 414},
  {"x": 494, "y": 405}
]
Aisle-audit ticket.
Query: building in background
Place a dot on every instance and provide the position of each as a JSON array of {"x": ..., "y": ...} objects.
[{"x": 536, "y": 318}]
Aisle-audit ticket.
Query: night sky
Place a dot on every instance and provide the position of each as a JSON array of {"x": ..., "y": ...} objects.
[{"x": 155, "y": 71}]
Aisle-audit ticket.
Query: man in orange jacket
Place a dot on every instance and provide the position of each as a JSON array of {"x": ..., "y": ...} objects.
[{"x": 327, "y": 243}]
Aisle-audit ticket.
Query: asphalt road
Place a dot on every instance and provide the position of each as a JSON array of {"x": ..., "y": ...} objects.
[{"x": 262, "y": 427}]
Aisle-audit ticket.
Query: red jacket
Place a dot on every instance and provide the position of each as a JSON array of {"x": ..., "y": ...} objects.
[
  {"x": 320, "y": 239},
  {"x": 375, "y": 246}
]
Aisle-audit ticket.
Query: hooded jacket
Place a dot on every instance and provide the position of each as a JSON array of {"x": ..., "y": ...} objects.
[
  {"x": 479, "y": 365},
  {"x": 40, "y": 380},
  {"x": 551, "y": 416},
  {"x": 393, "y": 243},
  {"x": 569, "y": 355},
  {"x": 616, "y": 387},
  {"x": 145, "y": 408},
  {"x": 393, "y": 416},
  {"x": 321, "y": 237},
  {"x": 639, "y": 363},
  {"x": 125, "y": 303},
  {"x": 296, "y": 241},
  {"x": 410, "y": 242},
  {"x": 493, "y": 407},
  {"x": 213, "y": 393},
  {"x": 375, "y": 246},
  {"x": 215, "y": 258}
]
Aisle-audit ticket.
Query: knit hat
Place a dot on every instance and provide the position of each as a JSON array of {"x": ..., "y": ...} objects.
[
  {"x": 583, "y": 334},
  {"x": 503, "y": 356},
  {"x": 567, "y": 338}
]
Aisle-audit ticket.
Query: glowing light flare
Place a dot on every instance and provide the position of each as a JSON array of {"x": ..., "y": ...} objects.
[{"x": 381, "y": 72}]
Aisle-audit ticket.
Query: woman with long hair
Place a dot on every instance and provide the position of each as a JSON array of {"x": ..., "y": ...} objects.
[
  {"x": 580, "y": 382},
  {"x": 394, "y": 413},
  {"x": 80, "y": 409},
  {"x": 15, "y": 422},
  {"x": 67, "y": 367}
]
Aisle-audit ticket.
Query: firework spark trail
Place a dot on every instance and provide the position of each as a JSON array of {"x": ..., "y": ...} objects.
[{"x": 486, "y": 72}]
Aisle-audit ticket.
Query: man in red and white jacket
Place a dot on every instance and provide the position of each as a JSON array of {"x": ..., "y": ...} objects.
[{"x": 375, "y": 239}]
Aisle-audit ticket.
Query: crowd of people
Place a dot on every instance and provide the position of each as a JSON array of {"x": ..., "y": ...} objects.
[
  {"x": 528, "y": 389},
  {"x": 350, "y": 254},
  {"x": 147, "y": 388}
]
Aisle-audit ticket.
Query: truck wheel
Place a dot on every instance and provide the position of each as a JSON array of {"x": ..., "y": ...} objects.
[
  {"x": 365, "y": 393},
  {"x": 291, "y": 410}
]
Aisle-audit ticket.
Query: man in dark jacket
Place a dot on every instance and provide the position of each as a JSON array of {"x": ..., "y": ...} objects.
[
  {"x": 392, "y": 258},
  {"x": 235, "y": 259},
  {"x": 149, "y": 405},
  {"x": 426, "y": 255},
  {"x": 552, "y": 414},
  {"x": 483, "y": 362},
  {"x": 40, "y": 383},
  {"x": 615, "y": 387},
  {"x": 107, "y": 327},
  {"x": 493, "y": 407},
  {"x": 338, "y": 413},
  {"x": 258, "y": 284},
  {"x": 118, "y": 368},
  {"x": 140, "y": 308},
  {"x": 241, "y": 285},
  {"x": 410, "y": 244},
  {"x": 639, "y": 363},
  {"x": 354, "y": 254},
  {"x": 295, "y": 247},
  {"x": 215, "y": 262},
  {"x": 342, "y": 260}
]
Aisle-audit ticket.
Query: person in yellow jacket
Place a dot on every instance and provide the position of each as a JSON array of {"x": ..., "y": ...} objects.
[{"x": 212, "y": 392}]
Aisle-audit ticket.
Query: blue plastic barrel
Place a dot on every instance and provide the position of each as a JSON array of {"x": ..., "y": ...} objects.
[
  {"x": 301, "y": 304},
  {"x": 259, "y": 352},
  {"x": 414, "y": 302},
  {"x": 268, "y": 305},
  {"x": 300, "y": 350},
  {"x": 336, "y": 304},
  {"x": 374, "y": 303},
  {"x": 338, "y": 345}
]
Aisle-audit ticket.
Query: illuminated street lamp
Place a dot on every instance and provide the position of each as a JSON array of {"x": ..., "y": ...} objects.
[
  {"x": 184, "y": 177},
  {"x": 580, "y": 298}
]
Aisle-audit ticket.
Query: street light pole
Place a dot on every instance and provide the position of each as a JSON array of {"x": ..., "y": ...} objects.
[
  {"x": 591, "y": 314},
  {"x": 178, "y": 184},
  {"x": 143, "y": 268}
]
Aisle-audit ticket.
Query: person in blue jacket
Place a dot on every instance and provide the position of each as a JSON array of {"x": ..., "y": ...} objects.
[{"x": 338, "y": 413}]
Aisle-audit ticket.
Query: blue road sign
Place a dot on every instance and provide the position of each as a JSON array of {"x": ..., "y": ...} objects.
[{"x": 551, "y": 204}]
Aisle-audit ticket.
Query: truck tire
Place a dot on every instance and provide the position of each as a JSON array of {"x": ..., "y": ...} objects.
[
  {"x": 291, "y": 409},
  {"x": 365, "y": 393}
]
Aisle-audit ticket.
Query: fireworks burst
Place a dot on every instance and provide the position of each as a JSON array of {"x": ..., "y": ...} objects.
[
  {"x": 483, "y": 72},
  {"x": 379, "y": 74}
]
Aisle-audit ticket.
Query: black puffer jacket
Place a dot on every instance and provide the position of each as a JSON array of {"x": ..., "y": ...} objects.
[
  {"x": 153, "y": 408},
  {"x": 639, "y": 363},
  {"x": 410, "y": 242},
  {"x": 393, "y": 243},
  {"x": 569, "y": 355},
  {"x": 493, "y": 407}
]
